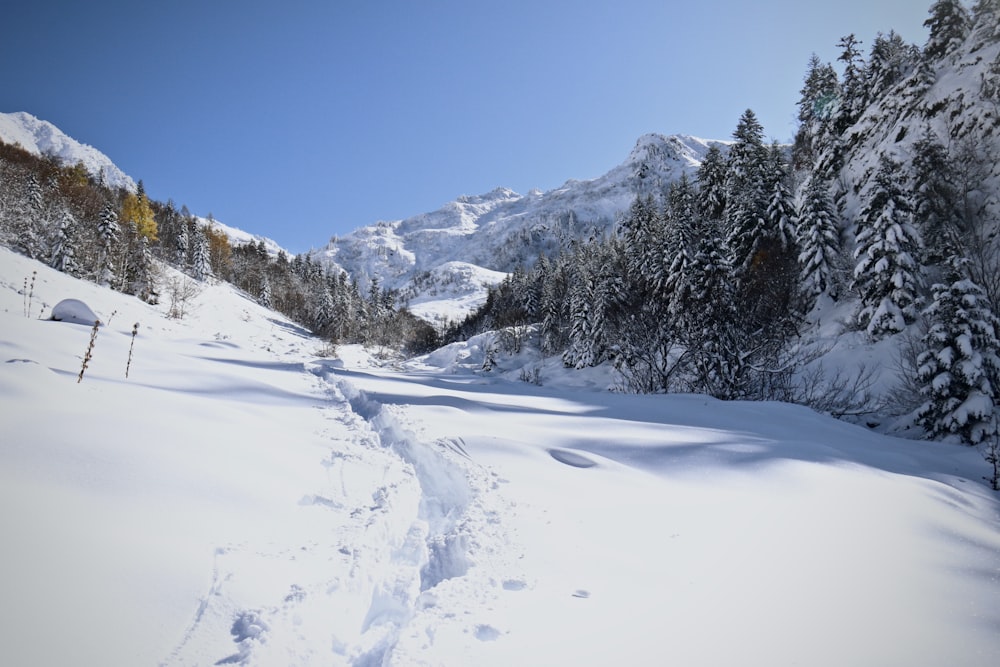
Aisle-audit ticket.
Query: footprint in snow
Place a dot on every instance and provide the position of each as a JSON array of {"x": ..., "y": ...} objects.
[{"x": 581, "y": 593}]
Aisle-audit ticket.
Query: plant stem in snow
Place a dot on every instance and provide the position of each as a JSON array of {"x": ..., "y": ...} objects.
[
  {"x": 90, "y": 350},
  {"x": 135, "y": 330}
]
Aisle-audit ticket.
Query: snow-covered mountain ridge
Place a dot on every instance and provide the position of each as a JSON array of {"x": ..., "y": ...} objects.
[
  {"x": 501, "y": 229},
  {"x": 43, "y": 138}
]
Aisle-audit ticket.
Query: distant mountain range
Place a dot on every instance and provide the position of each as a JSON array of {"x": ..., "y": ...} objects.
[{"x": 489, "y": 234}]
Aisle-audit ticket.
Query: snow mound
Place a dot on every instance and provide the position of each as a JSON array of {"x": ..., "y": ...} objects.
[{"x": 74, "y": 311}]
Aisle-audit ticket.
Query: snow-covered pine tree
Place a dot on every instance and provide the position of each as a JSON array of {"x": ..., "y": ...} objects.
[
  {"x": 959, "y": 368},
  {"x": 890, "y": 61},
  {"x": 937, "y": 202},
  {"x": 887, "y": 276},
  {"x": 555, "y": 306},
  {"x": 65, "y": 249},
  {"x": 182, "y": 246},
  {"x": 108, "y": 233},
  {"x": 201, "y": 266},
  {"x": 852, "y": 94},
  {"x": 142, "y": 281},
  {"x": 643, "y": 238},
  {"x": 589, "y": 300},
  {"x": 819, "y": 240},
  {"x": 746, "y": 195},
  {"x": 706, "y": 325},
  {"x": 323, "y": 308},
  {"x": 780, "y": 211},
  {"x": 712, "y": 184},
  {"x": 817, "y": 103},
  {"x": 949, "y": 24},
  {"x": 29, "y": 223},
  {"x": 685, "y": 227}
]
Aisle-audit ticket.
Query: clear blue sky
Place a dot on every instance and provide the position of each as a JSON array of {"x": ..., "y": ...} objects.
[{"x": 302, "y": 119}]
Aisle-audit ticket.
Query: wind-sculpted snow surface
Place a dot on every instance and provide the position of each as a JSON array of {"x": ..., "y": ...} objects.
[{"x": 239, "y": 500}]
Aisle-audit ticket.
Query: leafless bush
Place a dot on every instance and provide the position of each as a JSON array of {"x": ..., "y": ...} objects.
[
  {"x": 531, "y": 375},
  {"x": 840, "y": 394},
  {"x": 181, "y": 292}
]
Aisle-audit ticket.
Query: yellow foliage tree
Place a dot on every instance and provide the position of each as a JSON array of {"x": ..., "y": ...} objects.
[
  {"x": 219, "y": 251},
  {"x": 136, "y": 208}
]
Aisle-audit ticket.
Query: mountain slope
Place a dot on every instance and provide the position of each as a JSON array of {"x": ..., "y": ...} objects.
[
  {"x": 956, "y": 101},
  {"x": 43, "y": 138}
]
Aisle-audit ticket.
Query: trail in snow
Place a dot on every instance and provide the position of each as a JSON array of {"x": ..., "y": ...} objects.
[{"x": 238, "y": 500}]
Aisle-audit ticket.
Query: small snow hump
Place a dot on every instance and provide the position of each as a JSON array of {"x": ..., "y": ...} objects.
[
  {"x": 74, "y": 311},
  {"x": 571, "y": 458}
]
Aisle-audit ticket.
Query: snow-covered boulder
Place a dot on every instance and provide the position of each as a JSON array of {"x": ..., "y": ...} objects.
[{"x": 75, "y": 311}]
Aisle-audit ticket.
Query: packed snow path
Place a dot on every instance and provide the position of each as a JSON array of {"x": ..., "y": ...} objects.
[{"x": 240, "y": 499}]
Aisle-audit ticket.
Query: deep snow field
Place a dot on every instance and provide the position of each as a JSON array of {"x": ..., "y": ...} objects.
[{"x": 239, "y": 499}]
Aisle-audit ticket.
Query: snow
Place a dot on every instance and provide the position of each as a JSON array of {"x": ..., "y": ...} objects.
[
  {"x": 75, "y": 311},
  {"x": 240, "y": 500}
]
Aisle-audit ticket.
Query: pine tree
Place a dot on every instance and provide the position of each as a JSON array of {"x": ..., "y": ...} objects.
[
  {"x": 108, "y": 233},
  {"x": 555, "y": 306},
  {"x": 684, "y": 230},
  {"x": 746, "y": 196},
  {"x": 65, "y": 249},
  {"x": 644, "y": 238},
  {"x": 29, "y": 223},
  {"x": 937, "y": 202},
  {"x": 706, "y": 325},
  {"x": 960, "y": 367},
  {"x": 592, "y": 295},
  {"x": 712, "y": 184},
  {"x": 201, "y": 266},
  {"x": 780, "y": 211},
  {"x": 817, "y": 106},
  {"x": 819, "y": 239},
  {"x": 182, "y": 246},
  {"x": 949, "y": 25},
  {"x": 324, "y": 309},
  {"x": 890, "y": 61},
  {"x": 887, "y": 275},
  {"x": 852, "y": 98}
]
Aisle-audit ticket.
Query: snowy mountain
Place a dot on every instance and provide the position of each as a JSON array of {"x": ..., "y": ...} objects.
[
  {"x": 43, "y": 138},
  {"x": 501, "y": 229},
  {"x": 214, "y": 491}
]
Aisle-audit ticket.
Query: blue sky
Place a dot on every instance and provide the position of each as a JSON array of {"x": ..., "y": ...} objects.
[{"x": 302, "y": 119}]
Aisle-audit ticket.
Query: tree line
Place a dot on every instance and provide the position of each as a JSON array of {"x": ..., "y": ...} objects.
[
  {"x": 62, "y": 216},
  {"x": 707, "y": 286}
]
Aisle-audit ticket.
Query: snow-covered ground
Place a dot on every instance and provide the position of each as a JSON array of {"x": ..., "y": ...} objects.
[{"x": 239, "y": 499}]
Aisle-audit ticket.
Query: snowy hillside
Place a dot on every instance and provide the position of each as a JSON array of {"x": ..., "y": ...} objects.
[
  {"x": 501, "y": 229},
  {"x": 956, "y": 103},
  {"x": 43, "y": 138},
  {"x": 237, "y": 499}
]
